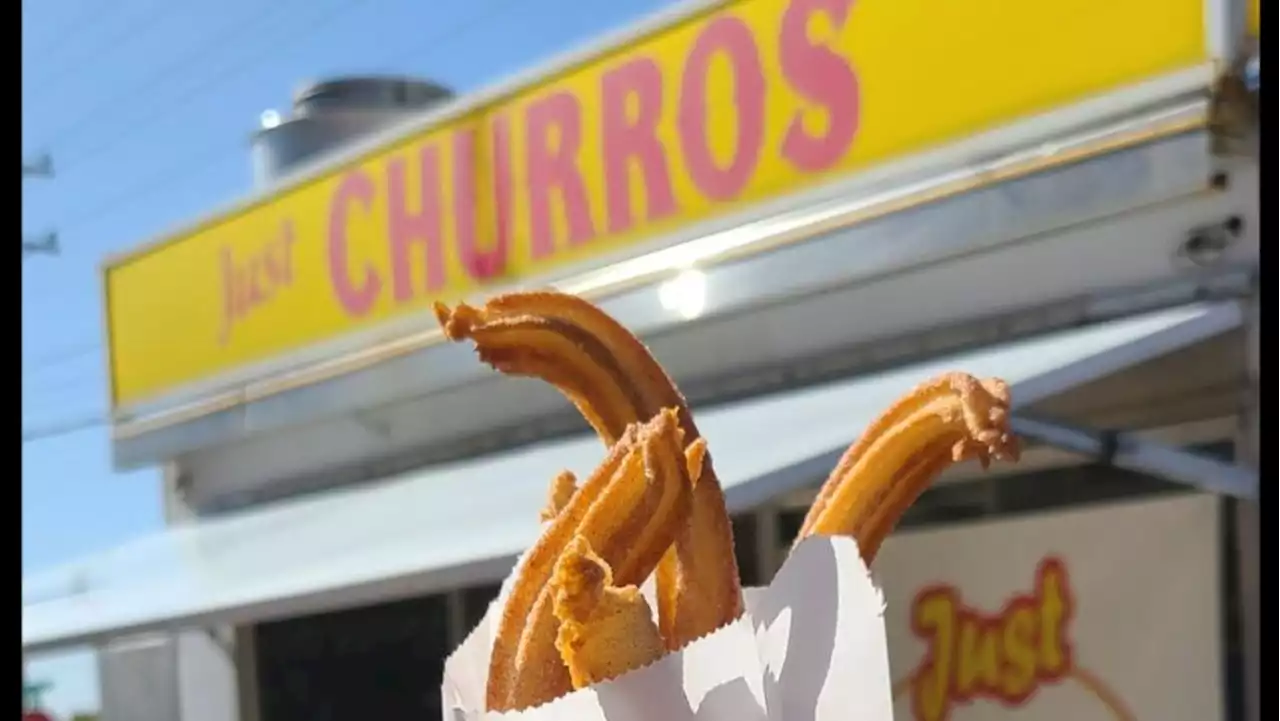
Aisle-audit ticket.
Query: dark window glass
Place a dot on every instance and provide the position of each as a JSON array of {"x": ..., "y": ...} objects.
[
  {"x": 475, "y": 603},
  {"x": 744, "y": 549},
  {"x": 1233, "y": 668},
  {"x": 1081, "y": 485},
  {"x": 1222, "y": 451},
  {"x": 382, "y": 661},
  {"x": 789, "y": 523},
  {"x": 1011, "y": 495}
]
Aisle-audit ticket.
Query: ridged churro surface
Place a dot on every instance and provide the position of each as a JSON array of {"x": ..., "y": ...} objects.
[
  {"x": 614, "y": 381},
  {"x": 574, "y": 615},
  {"x": 952, "y": 418},
  {"x": 563, "y": 486},
  {"x": 605, "y": 630},
  {"x": 629, "y": 512}
]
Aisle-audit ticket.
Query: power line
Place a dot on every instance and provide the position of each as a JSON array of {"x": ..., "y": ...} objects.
[
  {"x": 220, "y": 151},
  {"x": 84, "y": 423},
  {"x": 55, "y": 387},
  {"x": 270, "y": 51},
  {"x": 60, "y": 357},
  {"x": 64, "y": 428},
  {"x": 35, "y": 384},
  {"x": 216, "y": 151},
  {"x": 130, "y": 29},
  {"x": 156, "y": 180},
  {"x": 170, "y": 69},
  {"x": 70, "y": 30}
]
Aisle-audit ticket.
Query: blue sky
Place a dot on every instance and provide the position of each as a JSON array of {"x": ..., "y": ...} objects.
[{"x": 146, "y": 106}]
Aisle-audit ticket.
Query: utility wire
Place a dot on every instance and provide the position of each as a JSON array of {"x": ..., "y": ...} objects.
[
  {"x": 59, "y": 357},
  {"x": 165, "y": 177},
  {"x": 130, "y": 29},
  {"x": 98, "y": 9},
  {"x": 170, "y": 69},
  {"x": 64, "y": 428},
  {"x": 221, "y": 151},
  {"x": 210, "y": 154},
  {"x": 36, "y": 384},
  {"x": 59, "y": 387},
  {"x": 451, "y": 34},
  {"x": 270, "y": 51}
]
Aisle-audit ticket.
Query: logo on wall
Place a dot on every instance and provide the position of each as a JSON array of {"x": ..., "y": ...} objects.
[
  {"x": 1004, "y": 657},
  {"x": 32, "y": 698}
]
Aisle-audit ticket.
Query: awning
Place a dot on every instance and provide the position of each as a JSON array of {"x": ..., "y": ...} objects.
[{"x": 461, "y": 524}]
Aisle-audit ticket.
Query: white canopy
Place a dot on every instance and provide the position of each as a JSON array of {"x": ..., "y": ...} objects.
[{"x": 459, "y": 524}]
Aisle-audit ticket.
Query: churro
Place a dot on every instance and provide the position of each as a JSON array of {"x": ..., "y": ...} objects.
[
  {"x": 574, "y": 616},
  {"x": 613, "y": 380},
  {"x": 629, "y": 512},
  {"x": 563, "y": 486},
  {"x": 605, "y": 630},
  {"x": 952, "y": 418}
]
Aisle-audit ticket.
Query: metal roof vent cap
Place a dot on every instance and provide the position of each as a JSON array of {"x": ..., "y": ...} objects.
[{"x": 368, "y": 93}]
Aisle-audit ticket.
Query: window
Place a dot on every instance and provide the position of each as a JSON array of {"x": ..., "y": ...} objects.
[
  {"x": 475, "y": 603},
  {"x": 383, "y": 661},
  {"x": 744, "y": 549}
]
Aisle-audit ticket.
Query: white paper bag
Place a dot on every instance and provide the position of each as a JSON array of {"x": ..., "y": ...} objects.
[{"x": 811, "y": 647}]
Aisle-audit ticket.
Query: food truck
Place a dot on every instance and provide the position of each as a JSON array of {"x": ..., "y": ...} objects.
[{"x": 804, "y": 208}]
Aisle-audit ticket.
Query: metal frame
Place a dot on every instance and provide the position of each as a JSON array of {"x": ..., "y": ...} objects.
[
  {"x": 1039, "y": 457},
  {"x": 1226, "y": 29},
  {"x": 1223, "y": 318},
  {"x": 1248, "y": 517},
  {"x": 1135, "y": 453}
]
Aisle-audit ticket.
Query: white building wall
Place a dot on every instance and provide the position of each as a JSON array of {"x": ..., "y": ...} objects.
[{"x": 188, "y": 676}]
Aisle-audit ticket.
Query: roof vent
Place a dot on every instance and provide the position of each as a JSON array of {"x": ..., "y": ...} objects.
[
  {"x": 368, "y": 94},
  {"x": 331, "y": 115}
]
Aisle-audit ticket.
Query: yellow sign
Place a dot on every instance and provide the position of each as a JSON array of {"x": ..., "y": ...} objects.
[
  {"x": 1253, "y": 18},
  {"x": 751, "y": 100}
]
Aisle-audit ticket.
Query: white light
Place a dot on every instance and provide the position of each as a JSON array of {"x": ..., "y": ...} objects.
[
  {"x": 685, "y": 294},
  {"x": 269, "y": 119}
]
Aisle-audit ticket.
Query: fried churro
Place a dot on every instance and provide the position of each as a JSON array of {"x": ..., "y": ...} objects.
[
  {"x": 563, "y": 486},
  {"x": 952, "y": 418},
  {"x": 574, "y": 616},
  {"x": 605, "y": 630},
  {"x": 629, "y": 512},
  {"x": 614, "y": 381}
]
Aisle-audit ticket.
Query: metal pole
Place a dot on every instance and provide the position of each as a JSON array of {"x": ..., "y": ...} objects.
[
  {"x": 1248, "y": 529},
  {"x": 46, "y": 243},
  {"x": 40, "y": 167},
  {"x": 1132, "y": 452}
]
